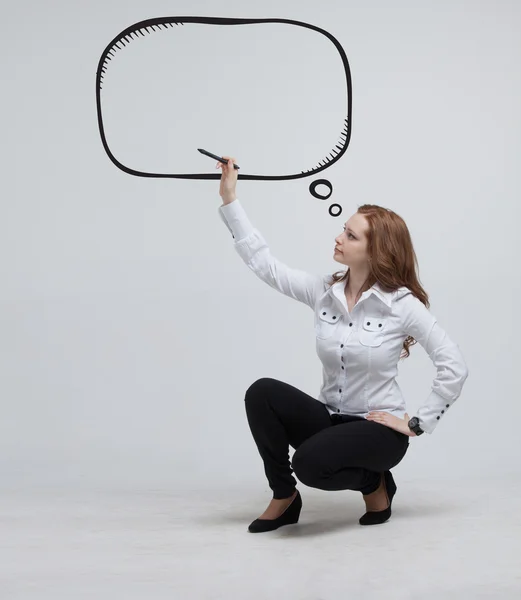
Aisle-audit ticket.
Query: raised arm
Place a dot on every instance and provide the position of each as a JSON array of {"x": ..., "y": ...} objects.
[{"x": 254, "y": 251}]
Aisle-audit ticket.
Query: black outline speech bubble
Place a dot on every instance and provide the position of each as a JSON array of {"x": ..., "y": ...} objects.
[{"x": 126, "y": 36}]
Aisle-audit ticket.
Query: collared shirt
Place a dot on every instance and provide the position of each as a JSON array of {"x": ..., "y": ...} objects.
[{"x": 359, "y": 350}]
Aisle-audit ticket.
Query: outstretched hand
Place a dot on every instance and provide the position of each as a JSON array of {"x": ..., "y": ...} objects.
[{"x": 227, "y": 189}]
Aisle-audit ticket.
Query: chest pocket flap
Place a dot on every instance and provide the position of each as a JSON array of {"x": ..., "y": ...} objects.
[
  {"x": 373, "y": 323},
  {"x": 329, "y": 316},
  {"x": 371, "y": 333},
  {"x": 327, "y": 322}
]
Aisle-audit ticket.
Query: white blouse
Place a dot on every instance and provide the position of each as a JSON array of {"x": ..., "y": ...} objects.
[{"x": 359, "y": 350}]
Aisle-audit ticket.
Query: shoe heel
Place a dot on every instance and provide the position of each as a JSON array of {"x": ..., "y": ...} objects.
[
  {"x": 289, "y": 517},
  {"x": 381, "y": 516},
  {"x": 390, "y": 485}
]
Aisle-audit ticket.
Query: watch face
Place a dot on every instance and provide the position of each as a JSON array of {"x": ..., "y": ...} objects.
[{"x": 414, "y": 425}]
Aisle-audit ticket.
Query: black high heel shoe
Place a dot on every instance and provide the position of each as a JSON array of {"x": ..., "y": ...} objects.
[
  {"x": 375, "y": 517},
  {"x": 288, "y": 517}
]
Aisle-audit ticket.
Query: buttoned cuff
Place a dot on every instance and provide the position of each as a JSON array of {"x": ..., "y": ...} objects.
[
  {"x": 235, "y": 218},
  {"x": 432, "y": 411}
]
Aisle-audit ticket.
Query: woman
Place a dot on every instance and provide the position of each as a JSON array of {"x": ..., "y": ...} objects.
[{"x": 365, "y": 317}]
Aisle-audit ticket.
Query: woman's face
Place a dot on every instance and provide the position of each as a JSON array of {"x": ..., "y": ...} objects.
[{"x": 352, "y": 242}]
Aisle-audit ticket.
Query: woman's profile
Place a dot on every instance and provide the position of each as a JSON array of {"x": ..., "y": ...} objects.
[{"x": 366, "y": 319}]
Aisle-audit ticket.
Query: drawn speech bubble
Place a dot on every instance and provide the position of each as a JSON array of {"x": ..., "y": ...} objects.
[{"x": 274, "y": 92}]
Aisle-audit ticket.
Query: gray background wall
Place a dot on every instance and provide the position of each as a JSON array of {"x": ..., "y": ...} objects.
[{"x": 130, "y": 328}]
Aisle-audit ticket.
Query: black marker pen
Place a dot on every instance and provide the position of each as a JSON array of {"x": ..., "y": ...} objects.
[{"x": 219, "y": 158}]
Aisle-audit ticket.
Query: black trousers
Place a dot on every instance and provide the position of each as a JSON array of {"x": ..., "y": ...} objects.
[{"x": 332, "y": 452}]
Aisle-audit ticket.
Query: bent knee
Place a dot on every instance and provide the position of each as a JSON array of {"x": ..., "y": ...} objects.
[
  {"x": 305, "y": 466},
  {"x": 258, "y": 388}
]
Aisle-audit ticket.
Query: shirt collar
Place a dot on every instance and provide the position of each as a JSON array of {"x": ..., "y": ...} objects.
[{"x": 386, "y": 297}]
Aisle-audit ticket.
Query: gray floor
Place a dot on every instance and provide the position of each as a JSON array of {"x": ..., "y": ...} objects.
[{"x": 442, "y": 542}]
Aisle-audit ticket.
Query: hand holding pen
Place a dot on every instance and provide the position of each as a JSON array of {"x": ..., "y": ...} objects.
[
  {"x": 221, "y": 159},
  {"x": 228, "y": 177}
]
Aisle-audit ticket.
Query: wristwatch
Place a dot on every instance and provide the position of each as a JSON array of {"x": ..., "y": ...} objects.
[{"x": 414, "y": 425}]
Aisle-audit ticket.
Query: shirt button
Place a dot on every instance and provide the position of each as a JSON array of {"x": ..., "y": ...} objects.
[
  {"x": 337, "y": 410},
  {"x": 350, "y": 324},
  {"x": 341, "y": 345},
  {"x": 342, "y": 368},
  {"x": 341, "y": 390}
]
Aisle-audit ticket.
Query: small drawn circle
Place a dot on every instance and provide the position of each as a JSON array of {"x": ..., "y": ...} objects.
[
  {"x": 313, "y": 191},
  {"x": 339, "y": 210}
]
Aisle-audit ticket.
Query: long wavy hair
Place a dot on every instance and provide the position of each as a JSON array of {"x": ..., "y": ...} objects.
[{"x": 393, "y": 262}]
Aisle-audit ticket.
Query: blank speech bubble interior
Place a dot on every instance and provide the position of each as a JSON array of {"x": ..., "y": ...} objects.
[{"x": 161, "y": 95}]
